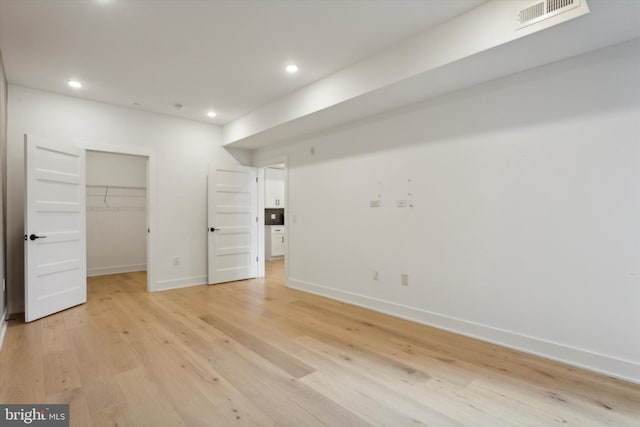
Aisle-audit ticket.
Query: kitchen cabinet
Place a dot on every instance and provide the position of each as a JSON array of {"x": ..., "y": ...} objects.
[
  {"x": 275, "y": 241},
  {"x": 274, "y": 188}
]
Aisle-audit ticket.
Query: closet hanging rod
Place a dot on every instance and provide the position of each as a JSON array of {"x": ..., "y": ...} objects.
[
  {"x": 117, "y": 186},
  {"x": 117, "y": 196}
]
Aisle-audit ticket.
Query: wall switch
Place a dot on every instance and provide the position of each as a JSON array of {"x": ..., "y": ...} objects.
[
  {"x": 176, "y": 260},
  {"x": 404, "y": 279},
  {"x": 375, "y": 203},
  {"x": 376, "y": 275},
  {"x": 273, "y": 216},
  {"x": 401, "y": 203}
]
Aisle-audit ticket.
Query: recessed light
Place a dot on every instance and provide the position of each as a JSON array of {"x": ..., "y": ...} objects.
[
  {"x": 74, "y": 84},
  {"x": 211, "y": 114},
  {"x": 291, "y": 68}
]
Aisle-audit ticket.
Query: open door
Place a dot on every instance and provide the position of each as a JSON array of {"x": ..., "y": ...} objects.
[
  {"x": 233, "y": 223},
  {"x": 55, "y": 237}
]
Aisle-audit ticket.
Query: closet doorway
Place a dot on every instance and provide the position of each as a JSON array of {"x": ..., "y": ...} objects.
[{"x": 117, "y": 213}]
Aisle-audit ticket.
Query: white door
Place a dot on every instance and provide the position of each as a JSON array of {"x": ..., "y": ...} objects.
[
  {"x": 55, "y": 238},
  {"x": 233, "y": 223}
]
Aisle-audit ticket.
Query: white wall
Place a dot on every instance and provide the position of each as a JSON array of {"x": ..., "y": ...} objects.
[
  {"x": 117, "y": 223},
  {"x": 182, "y": 150},
  {"x": 525, "y": 227}
]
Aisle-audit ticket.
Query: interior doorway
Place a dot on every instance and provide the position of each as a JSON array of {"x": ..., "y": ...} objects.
[
  {"x": 274, "y": 244},
  {"x": 116, "y": 213}
]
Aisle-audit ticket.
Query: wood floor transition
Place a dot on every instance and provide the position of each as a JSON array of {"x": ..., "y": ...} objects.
[{"x": 256, "y": 353}]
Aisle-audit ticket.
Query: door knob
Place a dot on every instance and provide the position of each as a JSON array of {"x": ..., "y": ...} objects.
[
  {"x": 212, "y": 229},
  {"x": 34, "y": 237}
]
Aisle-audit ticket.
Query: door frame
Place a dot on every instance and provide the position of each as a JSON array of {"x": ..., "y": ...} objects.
[
  {"x": 151, "y": 199},
  {"x": 262, "y": 165}
]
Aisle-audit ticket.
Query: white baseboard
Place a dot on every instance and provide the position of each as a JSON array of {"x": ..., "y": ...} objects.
[
  {"x": 184, "y": 282},
  {"x": 116, "y": 269},
  {"x": 3, "y": 326},
  {"x": 604, "y": 364}
]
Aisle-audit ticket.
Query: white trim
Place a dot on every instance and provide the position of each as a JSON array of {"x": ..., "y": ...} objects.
[
  {"x": 601, "y": 363},
  {"x": 103, "y": 271},
  {"x": 152, "y": 223},
  {"x": 262, "y": 237},
  {"x": 184, "y": 282},
  {"x": 3, "y": 325}
]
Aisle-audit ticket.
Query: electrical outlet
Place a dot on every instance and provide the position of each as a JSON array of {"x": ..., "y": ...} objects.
[
  {"x": 176, "y": 260},
  {"x": 401, "y": 203},
  {"x": 376, "y": 275},
  {"x": 404, "y": 279},
  {"x": 375, "y": 203}
]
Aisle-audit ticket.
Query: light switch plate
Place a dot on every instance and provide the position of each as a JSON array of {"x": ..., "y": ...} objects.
[{"x": 273, "y": 216}]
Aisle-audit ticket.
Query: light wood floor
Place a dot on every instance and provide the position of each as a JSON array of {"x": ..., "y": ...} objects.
[{"x": 257, "y": 353}]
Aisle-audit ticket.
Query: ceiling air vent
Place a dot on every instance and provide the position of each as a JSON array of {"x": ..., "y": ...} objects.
[
  {"x": 544, "y": 10},
  {"x": 553, "y": 5},
  {"x": 531, "y": 13}
]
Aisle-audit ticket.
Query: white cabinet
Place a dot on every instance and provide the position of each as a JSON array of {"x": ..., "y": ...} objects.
[
  {"x": 274, "y": 188},
  {"x": 275, "y": 241}
]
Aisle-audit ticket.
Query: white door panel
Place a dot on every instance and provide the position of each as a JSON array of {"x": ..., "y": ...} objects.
[
  {"x": 233, "y": 229},
  {"x": 55, "y": 257}
]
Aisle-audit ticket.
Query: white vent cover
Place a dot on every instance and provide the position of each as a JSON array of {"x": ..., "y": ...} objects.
[
  {"x": 543, "y": 10},
  {"x": 531, "y": 13},
  {"x": 553, "y": 5}
]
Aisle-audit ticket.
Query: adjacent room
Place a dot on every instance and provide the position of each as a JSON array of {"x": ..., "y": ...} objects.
[{"x": 320, "y": 213}]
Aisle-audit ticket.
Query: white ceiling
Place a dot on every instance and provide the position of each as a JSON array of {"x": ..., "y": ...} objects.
[{"x": 222, "y": 55}]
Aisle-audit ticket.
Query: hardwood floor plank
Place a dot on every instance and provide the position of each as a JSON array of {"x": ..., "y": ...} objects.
[
  {"x": 145, "y": 402},
  {"x": 23, "y": 376},
  {"x": 289, "y": 364},
  {"x": 79, "y": 413},
  {"x": 118, "y": 415},
  {"x": 61, "y": 372}
]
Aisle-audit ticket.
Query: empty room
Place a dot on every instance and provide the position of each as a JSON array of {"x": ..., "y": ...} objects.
[{"x": 320, "y": 213}]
